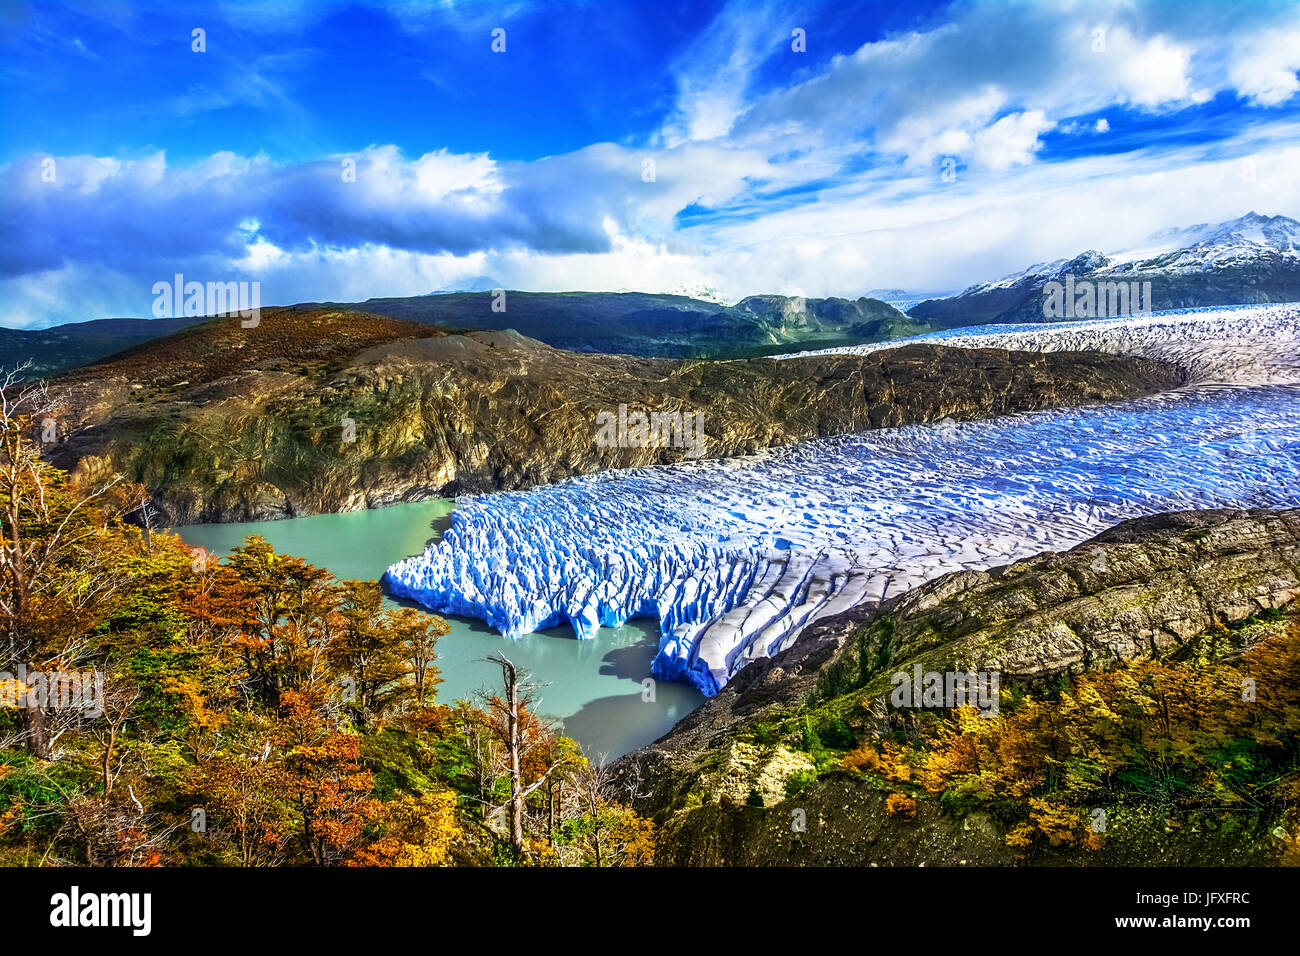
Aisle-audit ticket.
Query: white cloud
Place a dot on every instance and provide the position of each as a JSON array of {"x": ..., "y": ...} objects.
[
  {"x": 826, "y": 184},
  {"x": 1151, "y": 72},
  {"x": 1011, "y": 141},
  {"x": 1264, "y": 67},
  {"x": 925, "y": 93},
  {"x": 918, "y": 233},
  {"x": 880, "y": 229},
  {"x": 713, "y": 74}
]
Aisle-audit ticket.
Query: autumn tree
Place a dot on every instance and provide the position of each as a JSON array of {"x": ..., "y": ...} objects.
[
  {"x": 418, "y": 634},
  {"x": 57, "y": 561},
  {"x": 369, "y": 653},
  {"x": 409, "y": 830},
  {"x": 285, "y": 613},
  {"x": 218, "y": 694},
  {"x": 484, "y": 753},
  {"x": 327, "y": 782},
  {"x": 247, "y": 790},
  {"x": 599, "y": 829}
]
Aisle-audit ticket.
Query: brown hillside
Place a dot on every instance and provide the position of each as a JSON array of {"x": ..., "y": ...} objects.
[{"x": 284, "y": 340}]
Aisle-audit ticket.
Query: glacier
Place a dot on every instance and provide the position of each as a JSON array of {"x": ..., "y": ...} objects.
[{"x": 736, "y": 557}]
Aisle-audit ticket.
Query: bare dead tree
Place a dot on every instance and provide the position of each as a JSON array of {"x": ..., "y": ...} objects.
[
  {"x": 595, "y": 784},
  {"x": 119, "y": 697},
  {"x": 486, "y": 758},
  {"x": 114, "y": 832},
  {"x": 519, "y": 700},
  {"x": 631, "y": 780},
  {"x": 510, "y": 676}
]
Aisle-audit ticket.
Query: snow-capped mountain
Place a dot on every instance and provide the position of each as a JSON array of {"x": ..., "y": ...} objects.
[
  {"x": 1278, "y": 233},
  {"x": 705, "y": 293},
  {"x": 1003, "y": 300},
  {"x": 1038, "y": 273},
  {"x": 1250, "y": 259},
  {"x": 903, "y": 299}
]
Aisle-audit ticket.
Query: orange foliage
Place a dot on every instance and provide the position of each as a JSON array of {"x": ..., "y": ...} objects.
[{"x": 901, "y": 805}]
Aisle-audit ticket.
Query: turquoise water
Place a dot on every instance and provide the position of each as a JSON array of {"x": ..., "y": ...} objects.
[{"x": 593, "y": 687}]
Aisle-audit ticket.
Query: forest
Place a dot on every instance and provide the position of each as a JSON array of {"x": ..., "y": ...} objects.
[{"x": 160, "y": 705}]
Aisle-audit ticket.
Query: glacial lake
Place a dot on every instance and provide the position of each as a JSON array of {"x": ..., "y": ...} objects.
[{"x": 593, "y": 687}]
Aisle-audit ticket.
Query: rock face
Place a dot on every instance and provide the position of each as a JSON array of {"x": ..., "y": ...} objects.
[
  {"x": 1141, "y": 588},
  {"x": 221, "y": 423},
  {"x": 1147, "y": 586},
  {"x": 845, "y": 823}
]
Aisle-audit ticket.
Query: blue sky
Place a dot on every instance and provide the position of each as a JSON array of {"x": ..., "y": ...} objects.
[
  {"x": 909, "y": 145},
  {"x": 320, "y": 79}
]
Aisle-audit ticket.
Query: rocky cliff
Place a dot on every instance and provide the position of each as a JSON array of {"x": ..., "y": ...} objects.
[
  {"x": 320, "y": 411},
  {"x": 726, "y": 783}
]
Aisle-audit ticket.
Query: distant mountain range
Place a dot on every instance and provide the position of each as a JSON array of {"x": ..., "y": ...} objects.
[
  {"x": 631, "y": 323},
  {"x": 1246, "y": 260},
  {"x": 62, "y": 347},
  {"x": 651, "y": 324},
  {"x": 1250, "y": 259}
]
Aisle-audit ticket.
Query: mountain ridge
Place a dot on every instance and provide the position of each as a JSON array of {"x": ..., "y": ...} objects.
[
  {"x": 1249, "y": 260},
  {"x": 631, "y": 323}
]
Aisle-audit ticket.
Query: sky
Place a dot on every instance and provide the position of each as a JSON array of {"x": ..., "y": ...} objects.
[{"x": 340, "y": 150}]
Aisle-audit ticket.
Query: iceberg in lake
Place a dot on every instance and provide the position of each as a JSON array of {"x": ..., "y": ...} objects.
[{"x": 736, "y": 557}]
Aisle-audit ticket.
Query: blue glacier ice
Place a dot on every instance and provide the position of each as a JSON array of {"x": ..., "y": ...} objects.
[{"x": 736, "y": 557}]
